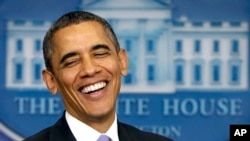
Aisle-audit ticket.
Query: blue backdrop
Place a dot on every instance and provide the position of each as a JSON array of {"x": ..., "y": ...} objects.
[{"x": 189, "y": 82}]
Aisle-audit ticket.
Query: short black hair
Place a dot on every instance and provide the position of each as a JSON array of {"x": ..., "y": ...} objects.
[{"x": 74, "y": 17}]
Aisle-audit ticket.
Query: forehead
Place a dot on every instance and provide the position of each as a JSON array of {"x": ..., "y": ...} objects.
[
  {"x": 83, "y": 28},
  {"x": 85, "y": 33}
]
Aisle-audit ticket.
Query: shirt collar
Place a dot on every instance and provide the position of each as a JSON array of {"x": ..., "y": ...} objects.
[{"x": 81, "y": 131}]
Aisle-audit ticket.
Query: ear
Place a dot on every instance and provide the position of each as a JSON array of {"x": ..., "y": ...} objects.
[
  {"x": 123, "y": 60},
  {"x": 50, "y": 81}
]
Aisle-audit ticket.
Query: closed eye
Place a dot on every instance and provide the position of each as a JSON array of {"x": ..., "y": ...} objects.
[
  {"x": 69, "y": 59},
  {"x": 71, "y": 63},
  {"x": 101, "y": 50},
  {"x": 101, "y": 54}
]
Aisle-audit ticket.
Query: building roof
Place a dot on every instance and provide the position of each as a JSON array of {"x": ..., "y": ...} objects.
[{"x": 126, "y": 4}]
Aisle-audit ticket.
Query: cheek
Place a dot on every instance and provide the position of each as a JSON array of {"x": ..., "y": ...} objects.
[
  {"x": 67, "y": 79},
  {"x": 111, "y": 66}
]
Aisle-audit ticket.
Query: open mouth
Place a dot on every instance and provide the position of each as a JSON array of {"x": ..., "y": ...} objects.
[{"x": 92, "y": 88}]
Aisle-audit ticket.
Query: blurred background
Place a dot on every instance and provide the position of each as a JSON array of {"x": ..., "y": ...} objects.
[{"x": 188, "y": 75}]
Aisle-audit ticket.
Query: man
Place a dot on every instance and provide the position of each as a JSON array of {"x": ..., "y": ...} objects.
[{"x": 84, "y": 63}]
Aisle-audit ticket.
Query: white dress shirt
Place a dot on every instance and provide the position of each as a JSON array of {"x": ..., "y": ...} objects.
[{"x": 83, "y": 132}]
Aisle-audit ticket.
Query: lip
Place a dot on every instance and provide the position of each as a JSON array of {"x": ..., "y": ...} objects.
[
  {"x": 94, "y": 87},
  {"x": 95, "y": 95}
]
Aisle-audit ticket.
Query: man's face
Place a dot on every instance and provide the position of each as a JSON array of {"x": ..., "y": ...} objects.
[{"x": 87, "y": 71}]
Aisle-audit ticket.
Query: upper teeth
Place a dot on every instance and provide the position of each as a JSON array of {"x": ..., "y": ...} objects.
[{"x": 93, "y": 87}]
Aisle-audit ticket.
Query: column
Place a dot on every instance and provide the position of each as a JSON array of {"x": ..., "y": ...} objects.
[{"x": 141, "y": 69}]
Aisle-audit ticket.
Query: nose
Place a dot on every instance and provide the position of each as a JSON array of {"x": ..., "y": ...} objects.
[{"x": 89, "y": 67}]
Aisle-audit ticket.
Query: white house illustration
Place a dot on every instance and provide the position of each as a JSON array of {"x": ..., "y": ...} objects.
[
  {"x": 24, "y": 54},
  {"x": 165, "y": 54}
]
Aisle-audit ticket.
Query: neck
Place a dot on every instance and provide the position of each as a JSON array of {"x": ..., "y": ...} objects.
[{"x": 100, "y": 123}]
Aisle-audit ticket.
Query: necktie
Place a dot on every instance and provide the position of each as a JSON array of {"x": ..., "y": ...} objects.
[{"x": 103, "y": 138}]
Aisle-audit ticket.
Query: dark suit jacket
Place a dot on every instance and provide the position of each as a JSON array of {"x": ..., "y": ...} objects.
[{"x": 60, "y": 131}]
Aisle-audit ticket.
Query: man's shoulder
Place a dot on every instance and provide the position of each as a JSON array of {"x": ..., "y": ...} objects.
[
  {"x": 142, "y": 135},
  {"x": 58, "y": 132},
  {"x": 40, "y": 136}
]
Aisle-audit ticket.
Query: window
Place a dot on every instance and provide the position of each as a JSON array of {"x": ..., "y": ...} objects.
[
  {"x": 179, "y": 71},
  {"x": 38, "y": 46},
  {"x": 178, "y": 46},
  {"x": 197, "y": 71},
  {"x": 216, "y": 24},
  {"x": 197, "y": 46},
  {"x": 235, "y": 47},
  {"x": 38, "y": 23},
  {"x": 18, "y": 71},
  {"x": 215, "y": 68},
  {"x": 235, "y": 71},
  {"x": 151, "y": 72},
  {"x": 216, "y": 47},
  {"x": 235, "y": 24},
  {"x": 37, "y": 72},
  {"x": 128, "y": 45},
  {"x": 197, "y": 24},
  {"x": 19, "y": 46},
  {"x": 19, "y": 22},
  {"x": 150, "y": 46},
  {"x": 216, "y": 73},
  {"x": 178, "y": 24}
]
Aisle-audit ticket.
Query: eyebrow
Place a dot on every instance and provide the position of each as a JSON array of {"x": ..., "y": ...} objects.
[
  {"x": 100, "y": 46},
  {"x": 68, "y": 55}
]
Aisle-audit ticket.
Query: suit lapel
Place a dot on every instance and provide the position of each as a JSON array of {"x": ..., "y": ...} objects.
[
  {"x": 61, "y": 131},
  {"x": 124, "y": 133}
]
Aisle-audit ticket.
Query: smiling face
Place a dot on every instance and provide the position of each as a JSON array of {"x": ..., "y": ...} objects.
[{"x": 87, "y": 71}]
